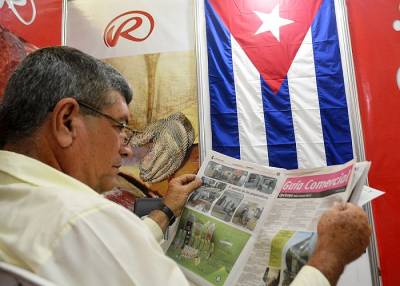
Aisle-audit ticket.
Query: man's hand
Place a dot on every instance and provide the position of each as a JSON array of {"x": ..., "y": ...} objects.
[
  {"x": 343, "y": 236},
  {"x": 179, "y": 190}
]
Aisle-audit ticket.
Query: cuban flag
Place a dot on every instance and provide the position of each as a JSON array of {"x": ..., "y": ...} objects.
[{"x": 277, "y": 93}]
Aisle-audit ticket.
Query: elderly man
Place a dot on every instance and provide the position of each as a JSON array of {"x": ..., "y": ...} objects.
[{"x": 64, "y": 133}]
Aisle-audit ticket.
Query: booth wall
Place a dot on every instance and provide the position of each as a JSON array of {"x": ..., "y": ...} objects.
[{"x": 374, "y": 27}]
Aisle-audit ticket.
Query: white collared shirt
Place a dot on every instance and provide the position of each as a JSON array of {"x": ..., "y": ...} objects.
[{"x": 62, "y": 230}]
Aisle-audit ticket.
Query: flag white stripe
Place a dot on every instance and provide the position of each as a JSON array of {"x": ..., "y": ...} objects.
[
  {"x": 250, "y": 113},
  {"x": 305, "y": 107}
]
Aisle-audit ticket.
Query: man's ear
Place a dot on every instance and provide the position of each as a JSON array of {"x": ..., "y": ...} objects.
[{"x": 65, "y": 121}]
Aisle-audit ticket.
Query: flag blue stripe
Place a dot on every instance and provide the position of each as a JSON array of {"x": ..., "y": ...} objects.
[
  {"x": 330, "y": 84},
  {"x": 279, "y": 127},
  {"x": 224, "y": 120}
]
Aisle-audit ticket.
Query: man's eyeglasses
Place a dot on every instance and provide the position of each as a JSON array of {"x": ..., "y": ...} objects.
[{"x": 126, "y": 132}]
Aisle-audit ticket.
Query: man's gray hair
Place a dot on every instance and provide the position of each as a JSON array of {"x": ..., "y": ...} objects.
[{"x": 45, "y": 77}]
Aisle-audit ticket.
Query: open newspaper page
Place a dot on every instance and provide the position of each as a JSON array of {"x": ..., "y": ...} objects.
[
  {"x": 220, "y": 223},
  {"x": 288, "y": 235},
  {"x": 255, "y": 225}
]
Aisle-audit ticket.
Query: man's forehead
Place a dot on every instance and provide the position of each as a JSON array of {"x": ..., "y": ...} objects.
[
  {"x": 117, "y": 106},
  {"x": 113, "y": 96}
]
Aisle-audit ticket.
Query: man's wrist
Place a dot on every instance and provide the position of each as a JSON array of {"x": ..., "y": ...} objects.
[
  {"x": 329, "y": 264},
  {"x": 168, "y": 212},
  {"x": 160, "y": 218}
]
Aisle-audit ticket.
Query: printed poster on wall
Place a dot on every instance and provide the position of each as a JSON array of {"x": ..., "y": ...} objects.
[{"x": 152, "y": 44}]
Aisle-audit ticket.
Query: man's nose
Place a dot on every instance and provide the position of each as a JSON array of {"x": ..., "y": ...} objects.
[{"x": 126, "y": 151}]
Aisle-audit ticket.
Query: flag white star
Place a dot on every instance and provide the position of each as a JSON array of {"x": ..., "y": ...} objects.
[{"x": 271, "y": 22}]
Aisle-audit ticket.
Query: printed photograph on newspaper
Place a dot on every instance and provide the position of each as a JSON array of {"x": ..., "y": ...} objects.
[
  {"x": 289, "y": 252},
  {"x": 206, "y": 246}
]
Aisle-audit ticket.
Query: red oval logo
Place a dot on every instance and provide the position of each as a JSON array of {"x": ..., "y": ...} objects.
[
  {"x": 135, "y": 26},
  {"x": 12, "y": 6}
]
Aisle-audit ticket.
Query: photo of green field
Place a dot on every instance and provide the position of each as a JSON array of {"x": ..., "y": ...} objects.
[{"x": 206, "y": 246}]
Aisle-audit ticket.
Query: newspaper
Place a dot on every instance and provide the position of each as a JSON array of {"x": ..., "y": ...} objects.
[{"x": 255, "y": 225}]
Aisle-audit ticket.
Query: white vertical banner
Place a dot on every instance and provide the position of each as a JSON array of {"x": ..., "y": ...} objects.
[{"x": 116, "y": 28}]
